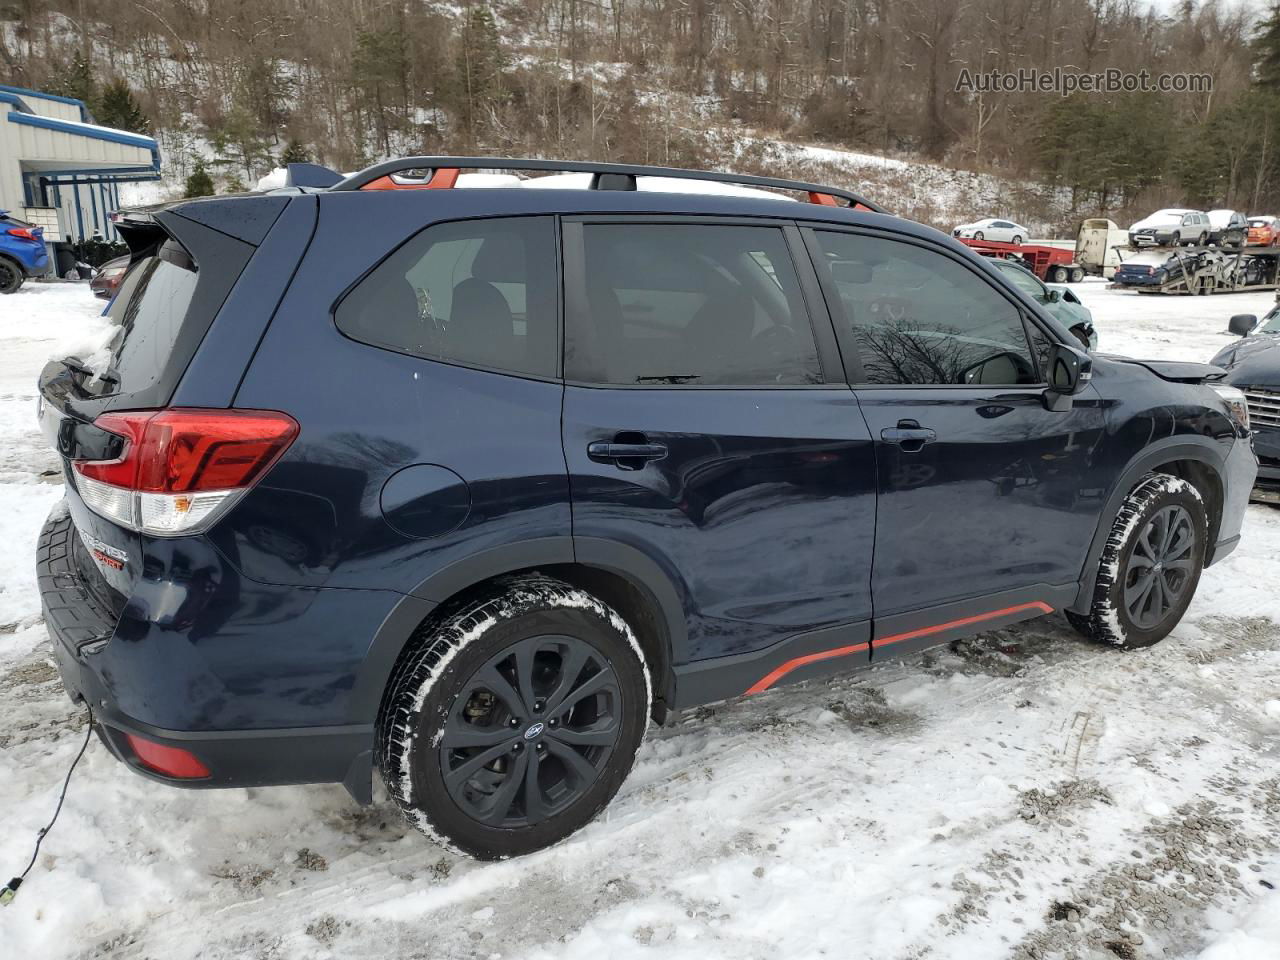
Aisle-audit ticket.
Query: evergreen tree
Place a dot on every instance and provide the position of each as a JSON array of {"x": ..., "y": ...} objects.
[
  {"x": 294, "y": 152},
  {"x": 120, "y": 110},
  {"x": 477, "y": 81},
  {"x": 1266, "y": 48},
  {"x": 235, "y": 184},
  {"x": 199, "y": 183},
  {"x": 75, "y": 80}
]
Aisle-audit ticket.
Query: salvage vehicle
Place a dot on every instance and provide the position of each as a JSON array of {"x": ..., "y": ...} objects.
[
  {"x": 1170, "y": 228},
  {"x": 1263, "y": 232},
  {"x": 22, "y": 252},
  {"x": 1059, "y": 299},
  {"x": 1227, "y": 228},
  {"x": 1002, "y": 231},
  {"x": 466, "y": 487},
  {"x": 1253, "y": 367}
]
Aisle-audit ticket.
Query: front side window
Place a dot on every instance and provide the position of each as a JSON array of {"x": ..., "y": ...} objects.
[
  {"x": 479, "y": 292},
  {"x": 689, "y": 304},
  {"x": 916, "y": 316}
]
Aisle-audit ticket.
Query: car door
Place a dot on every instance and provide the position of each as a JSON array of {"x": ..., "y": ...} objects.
[
  {"x": 987, "y": 500},
  {"x": 708, "y": 429}
]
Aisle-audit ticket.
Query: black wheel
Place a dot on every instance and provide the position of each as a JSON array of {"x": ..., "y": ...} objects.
[
  {"x": 11, "y": 276},
  {"x": 1176, "y": 239},
  {"x": 514, "y": 723},
  {"x": 1150, "y": 566},
  {"x": 1077, "y": 275},
  {"x": 979, "y": 235},
  {"x": 1058, "y": 275},
  {"x": 1017, "y": 240},
  {"x": 1204, "y": 238}
]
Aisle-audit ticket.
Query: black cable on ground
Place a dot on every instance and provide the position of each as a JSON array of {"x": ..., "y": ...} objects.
[{"x": 10, "y": 889}]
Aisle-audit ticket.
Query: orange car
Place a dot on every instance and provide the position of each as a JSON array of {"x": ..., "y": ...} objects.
[{"x": 1263, "y": 232}]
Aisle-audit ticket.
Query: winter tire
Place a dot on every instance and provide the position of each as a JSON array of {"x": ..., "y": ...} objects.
[
  {"x": 11, "y": 276},
  {"x": 1175, "y": 240},
  {"x": 512, "y": 724},
  {"x": 1058, "y": 275},
  {"x": 1150, "y": 565},
  {"x": 1077, "y": 275}
]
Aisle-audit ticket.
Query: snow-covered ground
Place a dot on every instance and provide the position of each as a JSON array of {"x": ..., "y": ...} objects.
[{"x": 1021, "y": 795}]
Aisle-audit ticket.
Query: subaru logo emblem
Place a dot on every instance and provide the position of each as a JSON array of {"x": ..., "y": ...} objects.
[{"x": 534, "y": 730}]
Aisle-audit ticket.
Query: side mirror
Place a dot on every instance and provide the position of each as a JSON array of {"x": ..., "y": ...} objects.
[
  {"x": 1242, "y": 324},
  {"x": 1054, "y": 296},
  {"x": 1069, "y": 371}
]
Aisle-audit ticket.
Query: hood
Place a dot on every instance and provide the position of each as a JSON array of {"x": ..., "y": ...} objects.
[
  {"x": 1175, "y": 371},
  {"x": 1253, "y": 360},
  {"x": 1157, "y": 220}
]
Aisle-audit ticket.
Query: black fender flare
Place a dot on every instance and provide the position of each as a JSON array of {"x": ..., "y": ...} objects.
[{"x": 1183, "y": 447}]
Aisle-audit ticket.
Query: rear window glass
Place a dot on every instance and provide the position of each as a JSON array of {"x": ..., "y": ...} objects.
[
  {"x": 480, "y": 292},
  {"x": 149, "y": 311}
]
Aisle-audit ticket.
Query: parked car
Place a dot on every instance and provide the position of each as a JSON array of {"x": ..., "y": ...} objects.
[
  {"x": 1059, "y": 299},
  {"x": 1003, "y": 231},
  {"x": 1227, "y": 228},
  {"x": 108, "y": 276},
  {"x": 431, "y": 481},
  {"x": 1170, "y": 228},
  {"x": 1253, "y": 366},
  {"x": 22, "y": 252},
  {"x": 1263, "y": 232}
]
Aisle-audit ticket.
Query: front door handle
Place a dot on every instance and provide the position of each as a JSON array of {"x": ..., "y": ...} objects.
[
  {"x": 909, "y": 435},
  {"x": 627, "y": 456}
]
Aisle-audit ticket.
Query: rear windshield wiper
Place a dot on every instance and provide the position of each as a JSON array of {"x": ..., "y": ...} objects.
[{"x": 76, "y": 365}]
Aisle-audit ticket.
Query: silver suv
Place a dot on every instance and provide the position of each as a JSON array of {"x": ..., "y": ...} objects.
[{"x": 1171, "y": 228}]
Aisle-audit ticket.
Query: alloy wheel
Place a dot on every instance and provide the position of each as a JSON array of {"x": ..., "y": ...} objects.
[
  {"x": 1161, "y": 565},
  {"x": 530, "y": 731}
]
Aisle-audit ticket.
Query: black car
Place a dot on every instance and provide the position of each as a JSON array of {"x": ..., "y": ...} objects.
[
  {"x": 467, "y": 486},
  {"x": 1253, "y": 365}
]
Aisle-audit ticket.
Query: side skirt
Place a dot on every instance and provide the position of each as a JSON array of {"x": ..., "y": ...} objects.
[{"x": 819, "y": 653}]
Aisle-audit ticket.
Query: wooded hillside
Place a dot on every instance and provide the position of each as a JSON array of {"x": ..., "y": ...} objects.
[{"x": 345, "y": 82}]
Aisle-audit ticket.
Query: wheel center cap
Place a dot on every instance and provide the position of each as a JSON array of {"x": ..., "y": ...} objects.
[
  {"x": 534, "y": 730},
  {"x": 1158, "y": 568}
]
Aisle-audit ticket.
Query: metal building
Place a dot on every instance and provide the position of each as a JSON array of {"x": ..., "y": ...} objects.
[{"x": 61, "y": 171}]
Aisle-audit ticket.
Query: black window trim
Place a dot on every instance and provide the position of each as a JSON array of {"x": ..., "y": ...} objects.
[
  {"x": 573, "y": 277},
  {"x": 854, "y": 370},
  {"x": 558, "y": 287}
]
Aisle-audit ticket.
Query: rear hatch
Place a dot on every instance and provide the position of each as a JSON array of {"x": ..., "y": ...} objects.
[{"x": 181, "y": 272}]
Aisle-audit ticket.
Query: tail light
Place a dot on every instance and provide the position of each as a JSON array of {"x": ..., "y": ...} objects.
[
  {"x": 181, "y": 469},
  {"x": 22, "y": 232}
]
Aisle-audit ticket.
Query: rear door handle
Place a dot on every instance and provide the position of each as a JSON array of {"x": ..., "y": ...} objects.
[{"x": 628, "y": 456}]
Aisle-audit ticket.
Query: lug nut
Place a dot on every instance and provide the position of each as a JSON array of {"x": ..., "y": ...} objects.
[
  {"x": 517, "y": 747},
  {"x": 513, "y": 722},
  {"x": 553, "y": 722},
  {"x": 538, "y": 705}
]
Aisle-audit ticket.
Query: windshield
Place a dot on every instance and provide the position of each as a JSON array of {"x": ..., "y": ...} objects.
[
  {"x": 1271, "y": 322},
  {"x": 1146, "y": 260},
  {"x": 1022, "y": 279},
  {"x": 1258, "y": 222}
]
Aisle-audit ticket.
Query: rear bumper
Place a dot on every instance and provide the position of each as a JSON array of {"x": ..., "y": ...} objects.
[{"x": 81, "y": 631}]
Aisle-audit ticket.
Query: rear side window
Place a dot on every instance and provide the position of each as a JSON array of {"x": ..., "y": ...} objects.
[
  {"x": 918, "y": 317},
  {"x": 697, "y": 304},
  {"x": 480, "y": 292},
  {"x": 149, "y": 310}
]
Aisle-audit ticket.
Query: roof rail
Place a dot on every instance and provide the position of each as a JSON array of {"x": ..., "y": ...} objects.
[{"x": 606, "y": 176}]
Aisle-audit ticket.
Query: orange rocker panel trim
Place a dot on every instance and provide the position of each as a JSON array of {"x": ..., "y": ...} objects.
[{"x": 773, "y": 676}]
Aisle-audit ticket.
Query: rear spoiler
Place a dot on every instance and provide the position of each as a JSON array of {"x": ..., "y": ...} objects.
[{"x": 310, "y": 175}]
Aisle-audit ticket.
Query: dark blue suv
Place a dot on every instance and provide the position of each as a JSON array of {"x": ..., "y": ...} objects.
[{"x": 468, "y": 485}]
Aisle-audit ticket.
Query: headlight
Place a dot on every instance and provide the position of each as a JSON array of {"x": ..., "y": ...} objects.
[{"x": 1237, "y": 406}]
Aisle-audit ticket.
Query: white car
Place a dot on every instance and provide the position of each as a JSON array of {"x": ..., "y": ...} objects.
[{"x": 1003, "y": 231}]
